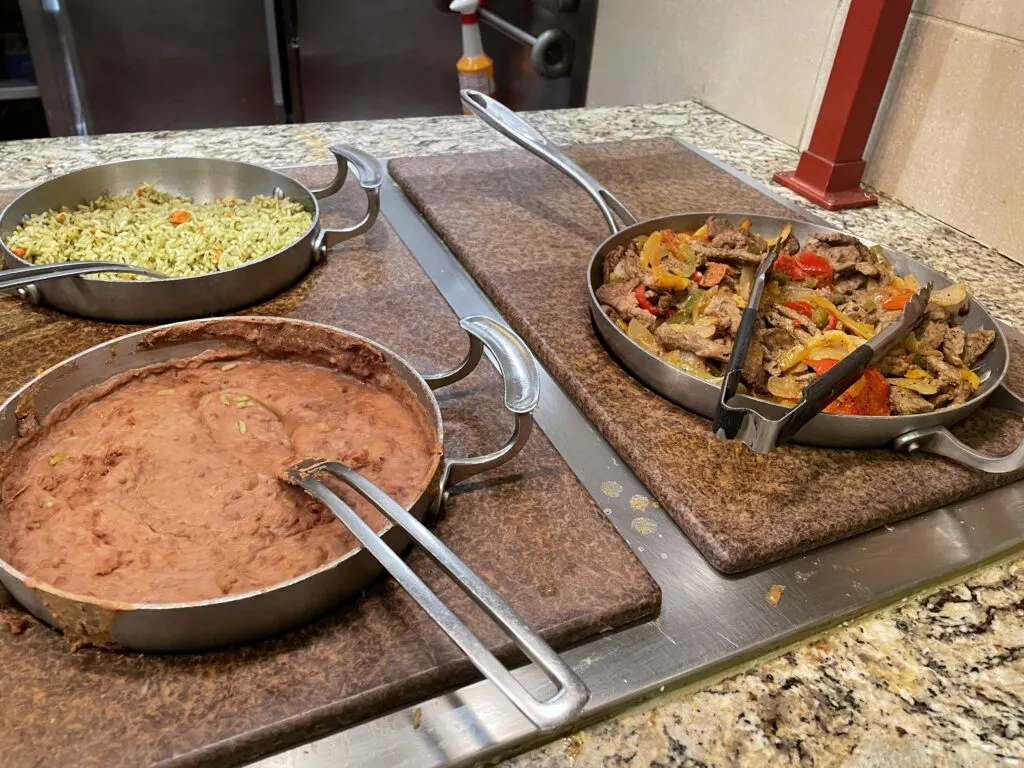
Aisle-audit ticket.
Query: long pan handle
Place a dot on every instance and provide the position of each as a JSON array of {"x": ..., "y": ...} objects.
[
  {"x": 512, "y": 126},
  {"x": 22, "y": 277},
  {"x": 548, "y": 714}
]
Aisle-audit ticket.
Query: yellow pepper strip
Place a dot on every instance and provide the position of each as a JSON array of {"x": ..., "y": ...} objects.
[
  {"x": 791, "y": 357},
  {"x": 700, "y": 234},
  {"x": 668, "y": 281},
  {"x": 864, "y": 330},
  {"x": 970, "y": 377},
  {"x": 916, "y": 373},
  {"x": 782, "y": 237},
  {"x": 653, "y": 251},
  {"x": 745, "y": 224},
  {"x": 703, "y": 301}
]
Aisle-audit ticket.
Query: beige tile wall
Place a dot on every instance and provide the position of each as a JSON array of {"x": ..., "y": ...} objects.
[
  {"x": 757, "y": 62},
  {"x": 949, "y": 139}
]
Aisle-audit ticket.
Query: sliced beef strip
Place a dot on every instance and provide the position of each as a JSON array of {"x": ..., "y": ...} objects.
[
  {"x": 842, "y": 258},
  {"x": 759, "y": 242},
  {"x": 753, "y": 372},
  {"x": 857, "y": 311},
  {"x": 962, "y": 393},
  {"x": 931, "y": 334},
  {"x": 843, "y": 252},
  {"x": 718, "y": 226},
  {"x": 831, "y": 238},
  {"x": 976, "y": 343},
  {"x": 791, "y": 247},
  {"x": 845, "y": 286},
  {"x": 867, "y": 268},
  {"x": 730, "y": 255},
  {"x": 733, "y": 239},
  {"x": 612, "y": 260},
  {"x": 796, "y": 333},
  {"x": 894, "y": 364},
  {"x": 798, "y": 318},
  {"x": 948, "y": 376},
  {"x": 621, "y": 298},
  {"x": 953, "y": 345},
  {"x": 675, "y": 337},
  {"x": 725, "y": 313},
  {"x": 907, "y": 402},
  {"x": 775, "y": 339}
]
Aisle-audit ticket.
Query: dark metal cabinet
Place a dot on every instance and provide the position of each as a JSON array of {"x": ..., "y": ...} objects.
[
  {"x": 396, "y": 58},
  {"x": 117, "y": 65}
]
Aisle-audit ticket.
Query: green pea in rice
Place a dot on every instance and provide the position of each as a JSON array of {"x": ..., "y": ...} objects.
[{"x": 139, "y": 229}]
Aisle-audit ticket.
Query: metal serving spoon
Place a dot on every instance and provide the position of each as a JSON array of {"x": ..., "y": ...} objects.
[{"x": 22, "y": 277}]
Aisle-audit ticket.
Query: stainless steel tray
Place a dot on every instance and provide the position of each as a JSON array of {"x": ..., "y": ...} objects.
[{"x": 709, "y": 622}]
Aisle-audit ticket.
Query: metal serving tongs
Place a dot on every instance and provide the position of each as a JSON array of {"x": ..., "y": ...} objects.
[
  {"x": 548, "y": 714},
  {"x": 762, "y": 434},
  {"x": 22, "y": 277}
]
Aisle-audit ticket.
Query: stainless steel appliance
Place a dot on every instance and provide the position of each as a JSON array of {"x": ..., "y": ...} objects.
[{"x": 113, "y": 65}]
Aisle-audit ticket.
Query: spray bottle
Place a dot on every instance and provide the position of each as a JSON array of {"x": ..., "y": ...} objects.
[{"x": 476, "y": 69}]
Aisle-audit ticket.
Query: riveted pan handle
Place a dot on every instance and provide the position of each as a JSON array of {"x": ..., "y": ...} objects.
[
  {"x": 522, "y": 390},
  {"x": 546, "y": 714},
  {"x": 512, "y": 126},
  {"x": 941, "y": 441},
  {"x": 370, "y": 175}
]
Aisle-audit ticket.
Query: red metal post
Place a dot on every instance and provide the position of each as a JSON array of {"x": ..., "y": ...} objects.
[{"x": 830, "y": 170}]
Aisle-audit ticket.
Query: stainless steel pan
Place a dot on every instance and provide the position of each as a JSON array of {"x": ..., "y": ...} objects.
[
  {"x": 238, "y": 618},
  {"x": 153, "y": 301},
  {"x": 926, "y": 432}
]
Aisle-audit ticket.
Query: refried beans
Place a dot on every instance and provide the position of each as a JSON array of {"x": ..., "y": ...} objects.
[{"x": 162, "y": 486}]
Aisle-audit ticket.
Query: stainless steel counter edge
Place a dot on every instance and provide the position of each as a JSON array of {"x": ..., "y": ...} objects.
[{"x": 709, "y": 622}]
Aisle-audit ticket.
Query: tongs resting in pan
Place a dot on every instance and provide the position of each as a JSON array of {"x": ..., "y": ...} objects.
[
  {"x": 763, "y": 434},
  {"x": 571, "y": 693},
  {"x": 20, "y": 277}
]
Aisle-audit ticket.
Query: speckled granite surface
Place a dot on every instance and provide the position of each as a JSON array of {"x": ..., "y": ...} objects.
[{"x": 936, "y": 681}]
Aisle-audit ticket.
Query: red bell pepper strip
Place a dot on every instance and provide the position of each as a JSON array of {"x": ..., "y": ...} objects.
[
  {"x": 898, "y": 299},
  {"x": 788, "y": 266},
  {"x": 803, "y": 307},
  {"x": 641, "y": 299},
  {"x": 868, "y": 396},
  {"x": 671, "y": 241},
  {"x": 806, "y": 265},
  {"x": 816, "y": 266}
]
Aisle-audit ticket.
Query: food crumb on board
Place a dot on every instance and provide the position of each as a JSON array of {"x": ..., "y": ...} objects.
[
  {"x": 14, "y": 621},
  {"x": 774, "y": 594},
  {"x": 417, "y": 718},
  {"x": 639, "y": 502},
  {"x": 611, "y": 489},
  {"x": 643, "y": 525},
  {"x": 574, "y": 745}
]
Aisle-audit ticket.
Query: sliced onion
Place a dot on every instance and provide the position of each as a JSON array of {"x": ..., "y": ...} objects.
[{"x": 786, "y": 387}]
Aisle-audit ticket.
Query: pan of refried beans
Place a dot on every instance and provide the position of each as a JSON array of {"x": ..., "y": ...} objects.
[{"x": 142, "y": 499}]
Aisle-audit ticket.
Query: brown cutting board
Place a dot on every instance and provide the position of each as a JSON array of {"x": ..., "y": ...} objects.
[
  {"x": 529, "y": 529},
  {"x": 526, "y": 234}
]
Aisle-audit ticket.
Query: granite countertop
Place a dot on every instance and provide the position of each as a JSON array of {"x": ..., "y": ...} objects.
[{"x": 936, "y": 680}]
